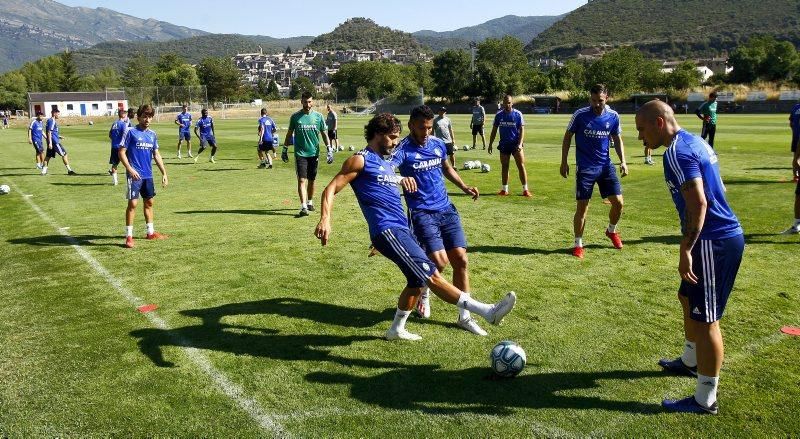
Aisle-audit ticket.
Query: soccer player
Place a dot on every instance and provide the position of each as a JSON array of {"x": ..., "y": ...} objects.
[
  {"x": 710, "y": 250},
  {"x": 707, "y": 112},
  {"x": 794, "y": 124},
  {"x": 309, "y": 125},
  {"x": 476, "y": 123},
  {"x": 795, "y": 228},
  {"x": 5, "y": 118},
  {"x": 54, "y": 145},
  {"x": 434, "y": 219},
  {"x": 115, "y": 134},
  {"x": 206, "y": 126},
  {"x": 36, "y": 138},
  {"x": 375, "y": 185},
  {"x": 648, "y": 156},
  {"x": 443, "y": 129},
  {"x": 266, "y": 133},
  {"x": 184, "y": 122},
  {"x": 511, "y": 125},
  {"x": 592, "y": 127},
  {"x": 137, "y": 150},
  {"x": 332, "y": 120},
  {"x": 131, "y": 116}
]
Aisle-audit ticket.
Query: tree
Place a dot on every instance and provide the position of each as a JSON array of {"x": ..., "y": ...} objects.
[
  {"x": 220, "y": 76},
  {"x": 624, "y": 70},
  {"x": 168, "y": 62},
  {"x": 684, "y": 76},
  {"x": 501, "y": 66},
  {"x": 272, "y": 91},
  {"x": 451, "y": 74},
  {"x": 13, "y": 90},
  {"x": 300, "y": 85},
  {"x": 69, "y": 75},
  {"x": 570, "y": 77},
  {"x": 138, "y": 72}
]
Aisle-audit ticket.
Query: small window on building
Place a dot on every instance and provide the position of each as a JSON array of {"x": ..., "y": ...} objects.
[
  {"x": 69, "y": 107},
  {"x": 95, "y": 106},
  {"x": 109, "y": 106}
]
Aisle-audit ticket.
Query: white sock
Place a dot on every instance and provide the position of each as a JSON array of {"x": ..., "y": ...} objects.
[
  {"x": 505, "y": 187},
  {"x": 463, "y": 314},
  {"x": 128, "y": 231},
  {"x": 150, "y": 229},
  {"x": 706, "y": 392},
  {"x": 525, "y": 187},
  {"x": 44, "y": 169},
  {"x": 796, "y": 222},
  {"x": 303, "y": 206},
  {"x": 68, "y": 168},
  {"x": 465, "y": 301},
  {"x": 689, "y": 356},
  {"x": 579, "y": 241},
  {"x": 399, "y": 322},
  {"x": 612, "y": 228},
  {"x": 269, "y": 160},
  {"x": 310, "y": 202}
]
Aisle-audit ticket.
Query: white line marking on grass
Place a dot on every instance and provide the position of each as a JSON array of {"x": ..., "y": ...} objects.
[{"x": 232, "y": 390}]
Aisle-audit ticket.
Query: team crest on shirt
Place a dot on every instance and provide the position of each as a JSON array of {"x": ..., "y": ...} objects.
[
  {"x": 417, "y": 156},
  {"x": 438, "y": 152},
  {"x": 608, "y": 125},
  {"x": 426, "y": 266}
]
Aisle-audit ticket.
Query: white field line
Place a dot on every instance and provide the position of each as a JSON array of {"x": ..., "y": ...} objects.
[{"x": 232, "y": 390}]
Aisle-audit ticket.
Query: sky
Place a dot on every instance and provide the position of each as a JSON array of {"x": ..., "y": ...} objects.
[{"x": 315, "y": 17}]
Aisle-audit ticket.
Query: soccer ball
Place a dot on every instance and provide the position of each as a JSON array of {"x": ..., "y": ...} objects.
[
  {"x": 507, "y": 359},
  {"x": 4, "y": 189},
  {"x": 485, "y": 167},
  {"x": 341, "y": 148},
  {"x": 91, "y": 123},
  {"x": 467, "y": 165},
  {"x": 351, "y": 148},
  {"x": 477, "y": 164},
  {"x": 466, "y": 148}
]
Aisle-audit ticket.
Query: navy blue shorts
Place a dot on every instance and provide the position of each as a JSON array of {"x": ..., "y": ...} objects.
[
  {"x": 508, "y": 149},
  {"x": 715, "y": 263},
  {"x": 38, "y": 146},
  {"x": 797, "y": 189},
  {"x": 113, "y": 159},
  {"x": 57, "y": 149},
  {"x": 400, "y": 247},
  {"x": 438, "y": 230},
  {"x": 143, "y": 187},
  {"x": 795, "y": 138},
  {"x": 266, "y": 146},
  {"x": 604, "y": 176},
  {"x": 208, "y": 140},
  {"x": 477, "y": 129},
  {"x": 184, "y": 135}
]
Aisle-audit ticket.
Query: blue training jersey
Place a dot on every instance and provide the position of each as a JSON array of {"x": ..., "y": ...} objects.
[
  {"x": 592, "y": 135},
  {"x": 185, "y": 119},
  {"x": 140, "y": 145},
  {"x": 268, "y": 125},
  {"x": 52, "y": 128},
  {"x": 205, "y": 123},
  {"x": 794, "y": 117},
  {"x": 690, "y": 157},
  {"x": 378, "y": 194},
  {"x": 37, "y": 131},
  {"x": 117, "y": 131},
  {"x": 509, "y": 125},
  {"x": 424, "y": 163}
]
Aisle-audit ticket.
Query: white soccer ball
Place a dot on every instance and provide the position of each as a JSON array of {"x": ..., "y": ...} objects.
[
  {"x": 4, "y": 189},
  {"x": 91, "y": 123},
  {"x": 351, "y": 148},
  {"x": 485, "y": 167},
  {"x": 467, "y": 165},
  {"x": 507, "y": 359},
  {"x": 478, "y": 164},
  {"x": 466, "y": 148},
  {"x": 340, "y": 148}
]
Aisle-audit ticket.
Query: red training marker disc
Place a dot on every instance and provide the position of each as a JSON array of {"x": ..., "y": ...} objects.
[
  {"x": 791, "y": 330},
  {"x": 147, "y": 308}
]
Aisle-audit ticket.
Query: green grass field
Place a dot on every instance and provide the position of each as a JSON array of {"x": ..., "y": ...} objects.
[{"x": 260, "y": 331}]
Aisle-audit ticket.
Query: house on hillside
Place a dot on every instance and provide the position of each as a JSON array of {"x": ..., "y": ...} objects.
[{"x": 98, "y": 103}]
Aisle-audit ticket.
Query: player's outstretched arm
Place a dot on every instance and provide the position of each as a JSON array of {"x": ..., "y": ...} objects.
[
  {"x": 565, "y": 145},
  {"x": 620, "y": 148},
  {"x": 161, "y": 167},
  {"x": 696, "y": 205},
  {"x": 451, "y": 174},
  {"x": 350, "y": 170}
]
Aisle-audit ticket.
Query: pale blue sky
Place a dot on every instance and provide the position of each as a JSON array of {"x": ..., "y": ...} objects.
[{"x": 314, "y": 17}]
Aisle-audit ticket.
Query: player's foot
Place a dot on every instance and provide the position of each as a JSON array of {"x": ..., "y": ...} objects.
[
  {"x": 527, "y": 193},
  {"x": 71, "y": 172},
  {"x": 401, "y": 334},
  {"x": 212, "y": 159},
  {"x": 110, "y": 172},
  {"x": 129, "y": 242},
  {"x": 615, "y": 239},
  {"x": 502, "y": 193},
  {"x": 156, "y": 235},
  {"x": 678, "y": 367},
  {"x": 179, "y": 156},
  {"x": 44, "y": 170},
  {"x": 196, "y": 157},
  {"x": 423, "y": 308},
  {"x": 577, "y": 252},
  {"x": 502, "y": 308},
  {"x": 39, "y": 166},
  {"x": 269, "y": 166},
  {"x": 303, "y": 212},
  {"x": 794, "y": 230},
  {"x": 311, "y": 208},
  {"x": 262, "y": 166},
  {"x": 689, "y": 405},
  {"x": 190, "y": 154},
  {"x": 469, "y": 324}
]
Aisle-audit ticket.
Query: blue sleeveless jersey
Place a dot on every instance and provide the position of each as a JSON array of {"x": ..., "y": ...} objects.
[
  {"x": 592, "y": 135},
  {"x": 378, "y": 195},
  {"x": 690, "y": 157},
  {"x": 424, "y": 163}
]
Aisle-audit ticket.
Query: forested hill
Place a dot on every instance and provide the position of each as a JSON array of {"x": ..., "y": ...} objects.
[
  {"x": 364, "y": 34},
  {"x": 668, "y": 29},
  {"x": 193, "y": 50}
]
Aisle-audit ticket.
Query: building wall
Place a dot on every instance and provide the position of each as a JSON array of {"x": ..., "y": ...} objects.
[{"x": 90, "y": 108}]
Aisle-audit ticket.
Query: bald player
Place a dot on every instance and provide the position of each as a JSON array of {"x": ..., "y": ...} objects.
[{"x": 710, "y": 251}]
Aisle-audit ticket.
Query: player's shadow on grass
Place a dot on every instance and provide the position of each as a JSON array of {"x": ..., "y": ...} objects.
[
  {"x": 769, "y": 168},
  {"x": 82, "y": 240},
  {"x": 517, "y": 251},
  {"x": 745, "y": 182},
  {"x": 448, "y": 392},
  {"x": 80, "y": 184},
  {"x": 223, "y": 170},
  {"x": 270, "y": 212}
]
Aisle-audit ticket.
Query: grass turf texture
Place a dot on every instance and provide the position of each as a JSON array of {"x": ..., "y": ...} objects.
[{"x": 298, "y": 326}]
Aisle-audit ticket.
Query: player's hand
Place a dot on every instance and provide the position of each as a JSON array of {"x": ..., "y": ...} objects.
[
  {"x": 473, "y": 192},
  {"x": 409, "y": 184},
  {"x": 285, "y": 154},
  {"x": 164, "y": 180},
  {"x": 260, "y": 142},
  {"x": 490, "y": 148},
  {"x": 329, "y": 159},
  {"x": 30, "y": 141},
  {"x": 134, "y": 175},
  {"x": 796, "y": 163},
  {"x": 685, "y": 268},
  {"x": 323, "y": 231},
  {"x": 623, "y": 169},
  {"x": 707, "y": 119},
  {"x": 564, "y": 170}
]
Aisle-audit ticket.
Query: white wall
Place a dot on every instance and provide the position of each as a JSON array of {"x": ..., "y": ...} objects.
[{"x": 73, "y": 108}]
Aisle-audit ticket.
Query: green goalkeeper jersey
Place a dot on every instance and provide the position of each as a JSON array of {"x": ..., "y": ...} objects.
[{"x": 307, "y": 128}]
